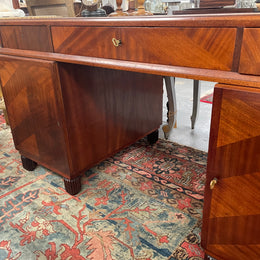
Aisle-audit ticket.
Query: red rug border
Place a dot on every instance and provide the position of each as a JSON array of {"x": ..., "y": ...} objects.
[{"x": 203, "y": 99}]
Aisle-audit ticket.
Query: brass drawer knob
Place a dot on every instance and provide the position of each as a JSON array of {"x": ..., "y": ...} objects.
[
  {"x": 116, "y": 42},
  {"x": 213, "y": 183}
]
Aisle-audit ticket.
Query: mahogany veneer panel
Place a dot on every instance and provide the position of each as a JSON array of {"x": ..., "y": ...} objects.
[
  {"x": 241, "y": 162},
  {"x": 247, "y": 186},
  {"x": 232, "y": 251},
  {"x": 240, "y": 117},
  {"x": 35, "y": 38},
  {"x": 71, "y": 119},
  {"x": 250, "y": 52},
  {"x": 87, "y": 41},
  {"x": 107, "y": 110},
  {"x": 245, "y": 228},
  {"x": 31, "y": 90},
  {"x": 209, "y": 48},
  {"x": 231, "y": 217},
  {"x": 239, "y": 133}
]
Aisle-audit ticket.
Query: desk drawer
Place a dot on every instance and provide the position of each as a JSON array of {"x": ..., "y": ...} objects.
[
  {"x": 209, "y": 48},
  {"x": 250, "y": 52},
  {"x": 36, "y": 38},
  {"x": 85, "y": 41}
]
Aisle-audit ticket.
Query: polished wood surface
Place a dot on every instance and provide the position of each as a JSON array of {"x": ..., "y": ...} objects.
[
  {"x": 31, "y": 92},
  {"x": 20, "y": 37},
  {"x": 231, "y": 224},
  {"x": 243, "y": 20},
  {"x": 124, "y": 107},
  {"x": 226, "y": 77},
  {"x": 105, "y": 98},
  {"x": 76, "y": 41},
  {"x": 250, "y": 58},
  {"x": 197, "y": 45},
  {"x": 50, "y": 128},
  {"x": 89, "y": 42}
]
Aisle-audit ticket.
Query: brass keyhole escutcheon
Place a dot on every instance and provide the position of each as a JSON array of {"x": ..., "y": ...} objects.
[
  {"x": 116, "y": 42},
  {"x": 213, "y": 183}
]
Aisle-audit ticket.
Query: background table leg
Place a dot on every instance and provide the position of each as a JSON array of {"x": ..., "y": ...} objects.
[
  {"x": 196, "y": 102},
  {"x": 172, "y": 105}
]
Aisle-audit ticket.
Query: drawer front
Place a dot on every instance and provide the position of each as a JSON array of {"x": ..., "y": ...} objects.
[
  {"x": 85, "y": 41},
  {"x": 209, "y": 48},
  {"x": 36, "y": 38},
  {"x": 250, "y": 52}
]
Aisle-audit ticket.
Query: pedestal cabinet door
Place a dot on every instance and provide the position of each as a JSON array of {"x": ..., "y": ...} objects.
[
  {"x": 31, "y": 93},
  {"x": 231, "y": 218}
]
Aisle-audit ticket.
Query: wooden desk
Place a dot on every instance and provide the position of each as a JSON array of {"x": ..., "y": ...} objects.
[{"x": 74, "y": 98}]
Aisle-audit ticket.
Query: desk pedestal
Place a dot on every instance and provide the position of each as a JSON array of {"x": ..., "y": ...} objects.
[
  {"x": 69, "y": 117},
  {"x": 231, "y": 214}
]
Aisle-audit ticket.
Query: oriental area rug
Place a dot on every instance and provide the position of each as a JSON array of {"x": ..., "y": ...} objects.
[{"x": 144, "y": 203}]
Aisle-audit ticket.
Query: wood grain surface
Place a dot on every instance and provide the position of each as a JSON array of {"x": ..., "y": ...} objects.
[
  {"x": 107, "y": 110},
  {"x": 36, "y": 38},
  {"x": 71, "y": 119},
  {"x": 30, "y": 88},
  {"x": 231, "y": 217},
  {"x": 94, "y": 99},
  {"x": 226, "y": 77},
  {"x": 203, "y": 48},
  {"x": 250, "y": 52},
  {"x": 251, "y": 20}
]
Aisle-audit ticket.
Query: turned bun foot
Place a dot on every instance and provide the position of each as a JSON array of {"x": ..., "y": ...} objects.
[
  {"x": 28, "y": 164},
  {"x": 72, "y": 186},
  {"x": 153, "y": 137}
]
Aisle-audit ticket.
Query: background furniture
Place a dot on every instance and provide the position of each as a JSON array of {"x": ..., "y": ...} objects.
[
  {"x": 16, "y": 4},
  {"x": 8, "y": 8},
  {"x": 50, "y": 7},
  {"x": 219, "y": 6},
  {"x": 116, "y": 99},
  {"x": 216, "y": 3}
]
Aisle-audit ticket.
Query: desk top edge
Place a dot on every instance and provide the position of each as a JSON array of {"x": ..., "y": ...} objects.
[{"x": 198, "y": 20}]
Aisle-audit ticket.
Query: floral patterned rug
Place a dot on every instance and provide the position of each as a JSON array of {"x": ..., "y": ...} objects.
[{"x": 144, "y": 203}]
